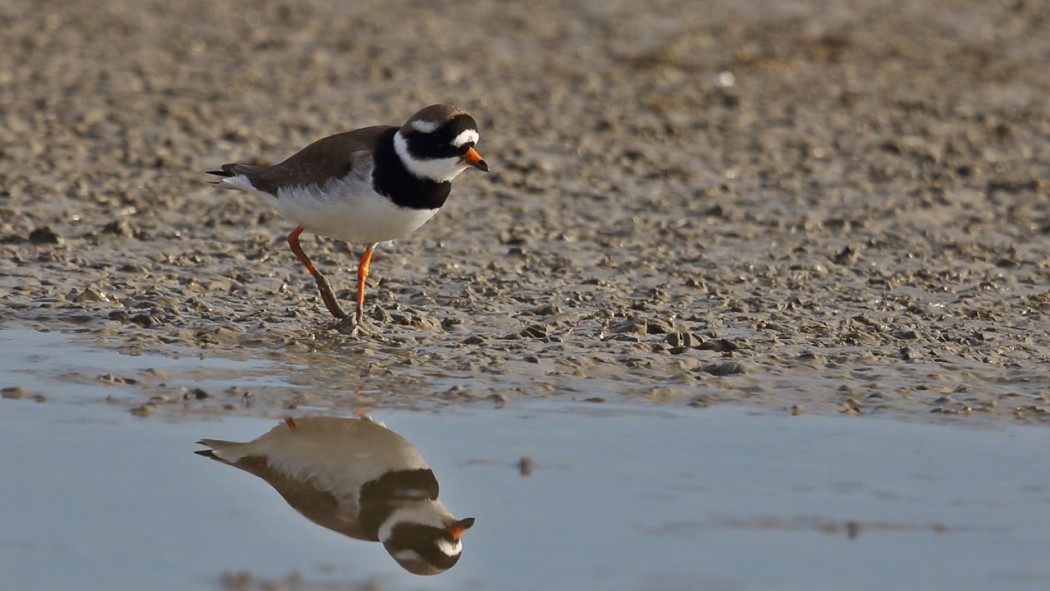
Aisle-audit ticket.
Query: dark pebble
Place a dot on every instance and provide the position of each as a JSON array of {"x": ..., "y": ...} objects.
[
  {"x": 44, "y": 235},
  {"x": 725, "y": 368}
]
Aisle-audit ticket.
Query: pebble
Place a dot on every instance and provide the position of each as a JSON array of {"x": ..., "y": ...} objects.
[
  {"x": 44, "y": 235},
  {"x": 725, "y": 368},
  {"x": 525, "y": 466}
]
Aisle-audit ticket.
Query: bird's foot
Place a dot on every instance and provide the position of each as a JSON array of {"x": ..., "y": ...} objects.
[{"x": 348, "y": 326}]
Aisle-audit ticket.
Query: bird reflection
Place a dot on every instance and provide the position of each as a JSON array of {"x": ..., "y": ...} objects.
[{"x": 358, "y": 478}]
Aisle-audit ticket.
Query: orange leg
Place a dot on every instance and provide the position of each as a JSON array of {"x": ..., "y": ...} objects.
[
  {"x": 327, "y": 295},
  {"x": 362, "y": 275}
]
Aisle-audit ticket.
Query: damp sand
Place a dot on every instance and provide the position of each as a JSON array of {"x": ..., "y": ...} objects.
[{"x": 813, "y": 208}]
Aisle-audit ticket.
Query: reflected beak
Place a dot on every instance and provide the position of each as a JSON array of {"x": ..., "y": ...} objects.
[
  {"x": 474, "y": 159},
  {"x": 457, "y": 528}
]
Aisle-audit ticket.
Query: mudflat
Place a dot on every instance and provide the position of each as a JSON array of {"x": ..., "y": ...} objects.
[{"x": 818, "y": 206}]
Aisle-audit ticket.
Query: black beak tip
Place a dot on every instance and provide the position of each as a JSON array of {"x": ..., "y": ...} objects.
[{"x": 482, "y": 165}]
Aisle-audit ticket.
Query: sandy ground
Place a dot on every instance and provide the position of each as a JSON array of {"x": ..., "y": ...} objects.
[{"x": 825, "y": 206}]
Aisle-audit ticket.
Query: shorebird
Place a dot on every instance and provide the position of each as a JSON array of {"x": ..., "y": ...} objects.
[
  {"x": 358, "y": 478},
  {"x": 366, "y": 186}
]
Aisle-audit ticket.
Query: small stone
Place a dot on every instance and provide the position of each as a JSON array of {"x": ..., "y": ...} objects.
[
  {"x": 459, "y": 391},
  {"x": 112, "y": 379},
  {"x": 851, "y": 407},
  {"x": 196, "y": 394},
  {"x": 536, "y": 331},
  {"x": 725, "y": 368},
  {"x": 852, "y": 529},
  {"x": 630, "y": 326},
  {"x": 145, "y": 410},
  {"x": 44, "y": 235},
  {"x": 720, "y": 345},
  {"x": 812, "y": 358},
  {"x": 90, "y": 294},
  {"x": 657, "y": 326},
  {"x": 525, "y": 466},
  {"x": 424, "y": 323},
  {"x": 117, "y": 228},
  {"x": 15, "y": 392},
  {"x": 143, "y": 320},
  {"x": 683, "y": 340},
  {"x": 847, "y": 256},
  {"x": 544, "y": 310}
]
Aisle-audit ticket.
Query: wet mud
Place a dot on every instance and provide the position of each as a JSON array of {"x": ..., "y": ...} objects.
[{"x": 820, "y": 207}]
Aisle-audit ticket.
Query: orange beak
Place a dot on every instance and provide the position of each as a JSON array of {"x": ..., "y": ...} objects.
[
  {"x": 457, "y": 528},
  {"x": 474, "y": 159}
]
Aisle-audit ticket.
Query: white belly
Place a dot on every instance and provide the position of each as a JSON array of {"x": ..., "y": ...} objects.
[{"x": 345, "y": 210}]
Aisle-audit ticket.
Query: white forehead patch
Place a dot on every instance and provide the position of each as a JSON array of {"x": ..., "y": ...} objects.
[
  {"x": 464, "y": 137},
  {"x": 424, "y": 126}
]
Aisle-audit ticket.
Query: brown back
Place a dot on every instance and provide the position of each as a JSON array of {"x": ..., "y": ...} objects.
[{"x": 315, "y": 164}]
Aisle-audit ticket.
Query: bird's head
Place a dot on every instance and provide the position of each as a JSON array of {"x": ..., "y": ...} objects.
[
  {"x": 425, "y": 546},
  {"x": 438, "y": 143}
]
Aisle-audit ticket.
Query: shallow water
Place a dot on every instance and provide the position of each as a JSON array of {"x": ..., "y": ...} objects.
[{"x": 619, "y": 496}]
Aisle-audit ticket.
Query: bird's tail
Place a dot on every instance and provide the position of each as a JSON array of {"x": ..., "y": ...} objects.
[
  {"x": 216, "y": 445},
  {"x": 233, "y": 169}
]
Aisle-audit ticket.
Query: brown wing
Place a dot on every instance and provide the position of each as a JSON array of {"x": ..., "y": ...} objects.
[
  {"x": 324, "y": 159},
  {"x": 319, "y": 506}
]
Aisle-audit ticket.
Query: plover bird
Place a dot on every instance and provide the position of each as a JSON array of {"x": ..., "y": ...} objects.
[
  {"x": 366, "y": 186},
  {"x": 358, "y": 478}
]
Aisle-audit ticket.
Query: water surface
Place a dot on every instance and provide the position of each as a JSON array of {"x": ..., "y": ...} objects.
[{"x": 618, "y": 497}]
